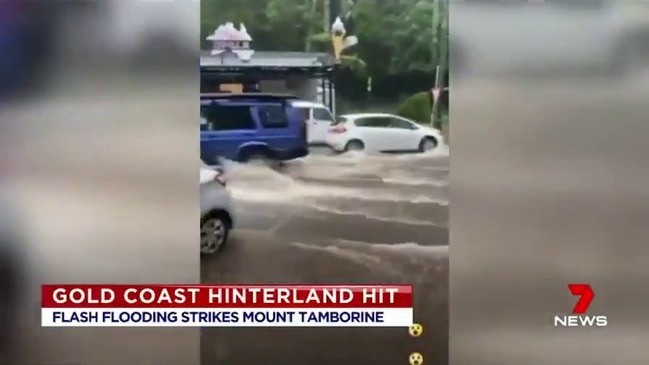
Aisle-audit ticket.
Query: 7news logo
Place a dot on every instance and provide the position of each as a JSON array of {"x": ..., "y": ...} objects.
[{"x": 579, "y": 318}]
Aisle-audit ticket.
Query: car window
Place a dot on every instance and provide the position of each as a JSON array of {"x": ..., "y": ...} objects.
[
  {"x": 226, "y": 117},
  {"x": 322, "y": 114},
  {"x": 401, "y": 124},
  {"x": 272, "y": 116},
  {"x": 373, "y": 122}
]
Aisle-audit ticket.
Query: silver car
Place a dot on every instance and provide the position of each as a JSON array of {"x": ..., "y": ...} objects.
[{"x": 217, "y": 214}]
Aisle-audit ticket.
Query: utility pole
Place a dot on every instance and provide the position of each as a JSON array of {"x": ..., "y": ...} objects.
[
  {"x": 435, "y": 58},
  {"x": 435, "y": 26},
  {"x": 440, "y": 45}
]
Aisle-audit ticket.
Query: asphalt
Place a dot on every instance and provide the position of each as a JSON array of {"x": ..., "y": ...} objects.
[{"x": 338, "y": 219}]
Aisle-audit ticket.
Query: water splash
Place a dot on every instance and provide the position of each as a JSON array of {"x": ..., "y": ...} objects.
[
  {"x": 385, "y": 218},
  {"x": 396, "y": 260}
]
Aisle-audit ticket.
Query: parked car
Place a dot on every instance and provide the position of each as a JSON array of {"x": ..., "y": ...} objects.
[
  {"x": 254, "y": 126},
  {"x": 380, "y": 132},
  {"x": 217, "y": 214},
  {"x": 318, "y": 119}
]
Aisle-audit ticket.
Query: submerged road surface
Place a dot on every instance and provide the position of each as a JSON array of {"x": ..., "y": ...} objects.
[
  {"x": 324, "y": 219},
  {"x": 338, "y": 219}
]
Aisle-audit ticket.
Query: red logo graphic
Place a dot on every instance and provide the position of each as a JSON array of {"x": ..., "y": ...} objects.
[{"x": 586, "y": 295}]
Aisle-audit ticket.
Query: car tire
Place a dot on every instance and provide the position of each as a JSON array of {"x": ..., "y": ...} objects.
[
  {"x": 263, "y": 159},
  {"x": 354, "y": 145},
  {"x": 215, "y": 230},
  {"x": 427, "y": 144},
  {"x": 258, "y": 156}
]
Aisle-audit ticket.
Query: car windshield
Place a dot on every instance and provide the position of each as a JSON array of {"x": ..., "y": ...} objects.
[{"x": 322, "y": 114}]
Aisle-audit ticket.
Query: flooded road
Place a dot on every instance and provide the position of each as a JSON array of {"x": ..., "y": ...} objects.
[
  {"x": 113, "y": 216},
  {"x": 344, "y": 219}
]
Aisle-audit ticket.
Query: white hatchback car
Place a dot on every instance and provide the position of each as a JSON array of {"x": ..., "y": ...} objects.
[
  {"x": 381, "y": 132},
  {"x": 217, "y": 214}
]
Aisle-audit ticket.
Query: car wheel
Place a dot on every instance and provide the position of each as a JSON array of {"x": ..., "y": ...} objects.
[
  {"x": 214, "y": 234},
  {"x": 257, "y": 157},
  {"x": 262, "y": 159},
  {"x": 354, "y": 146},
  {"x": 427, "y": 144}
]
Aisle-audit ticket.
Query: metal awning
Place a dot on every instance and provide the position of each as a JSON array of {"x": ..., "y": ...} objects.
[{"x": 267, "y": 65}]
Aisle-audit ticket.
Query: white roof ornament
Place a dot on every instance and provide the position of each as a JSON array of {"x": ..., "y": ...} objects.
[
  {"x": 338, "y": 28},
  {"x": 227, "y": 39},
  {"x": 243, "y": 33},
  {"x": 340, "y": 40}
]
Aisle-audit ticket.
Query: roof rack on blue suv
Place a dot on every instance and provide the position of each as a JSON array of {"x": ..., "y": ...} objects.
[
  {"x": 251, "y": 126},
  {"x": 238, "y": 96}
]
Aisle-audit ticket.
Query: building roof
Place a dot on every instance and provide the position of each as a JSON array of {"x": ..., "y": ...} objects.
[
  {"x": 307, "y": 104},
  {"x": 265, "y": 59}
]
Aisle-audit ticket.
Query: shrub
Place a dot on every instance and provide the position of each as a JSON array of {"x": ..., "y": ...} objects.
[{"x": 417, "y": 107}]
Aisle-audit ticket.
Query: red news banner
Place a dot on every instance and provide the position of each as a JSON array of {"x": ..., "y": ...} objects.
[{"x": 226, "y": 306}]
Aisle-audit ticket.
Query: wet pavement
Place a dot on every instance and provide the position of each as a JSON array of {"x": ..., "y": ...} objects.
[{"x": 338, "y": 219}]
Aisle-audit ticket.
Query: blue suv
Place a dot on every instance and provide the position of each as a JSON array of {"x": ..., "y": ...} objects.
[{"x": 254, "y": 126}]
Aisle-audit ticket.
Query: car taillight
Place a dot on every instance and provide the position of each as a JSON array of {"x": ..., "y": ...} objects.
[{"x": 338, "y": 129}]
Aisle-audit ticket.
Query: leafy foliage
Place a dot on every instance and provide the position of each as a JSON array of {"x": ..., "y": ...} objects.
[{"x": 417, "y": 107}]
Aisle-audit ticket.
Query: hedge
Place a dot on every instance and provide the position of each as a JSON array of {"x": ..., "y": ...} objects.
[{"x": 417, "y": 107}]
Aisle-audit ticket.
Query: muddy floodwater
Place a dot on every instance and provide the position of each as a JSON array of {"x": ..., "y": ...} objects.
[{"x": 348, "y": 219}]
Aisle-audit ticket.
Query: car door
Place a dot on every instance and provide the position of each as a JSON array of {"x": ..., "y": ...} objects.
[
  {"x": 305, "y": 115},
  {"x": 275, "y": 127},
  {"x": 375, "y": 133},
  {"x": 224, "y": 127},
  {"x": 404, "y": 135},
  {"x": 320, "y": 121}
]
